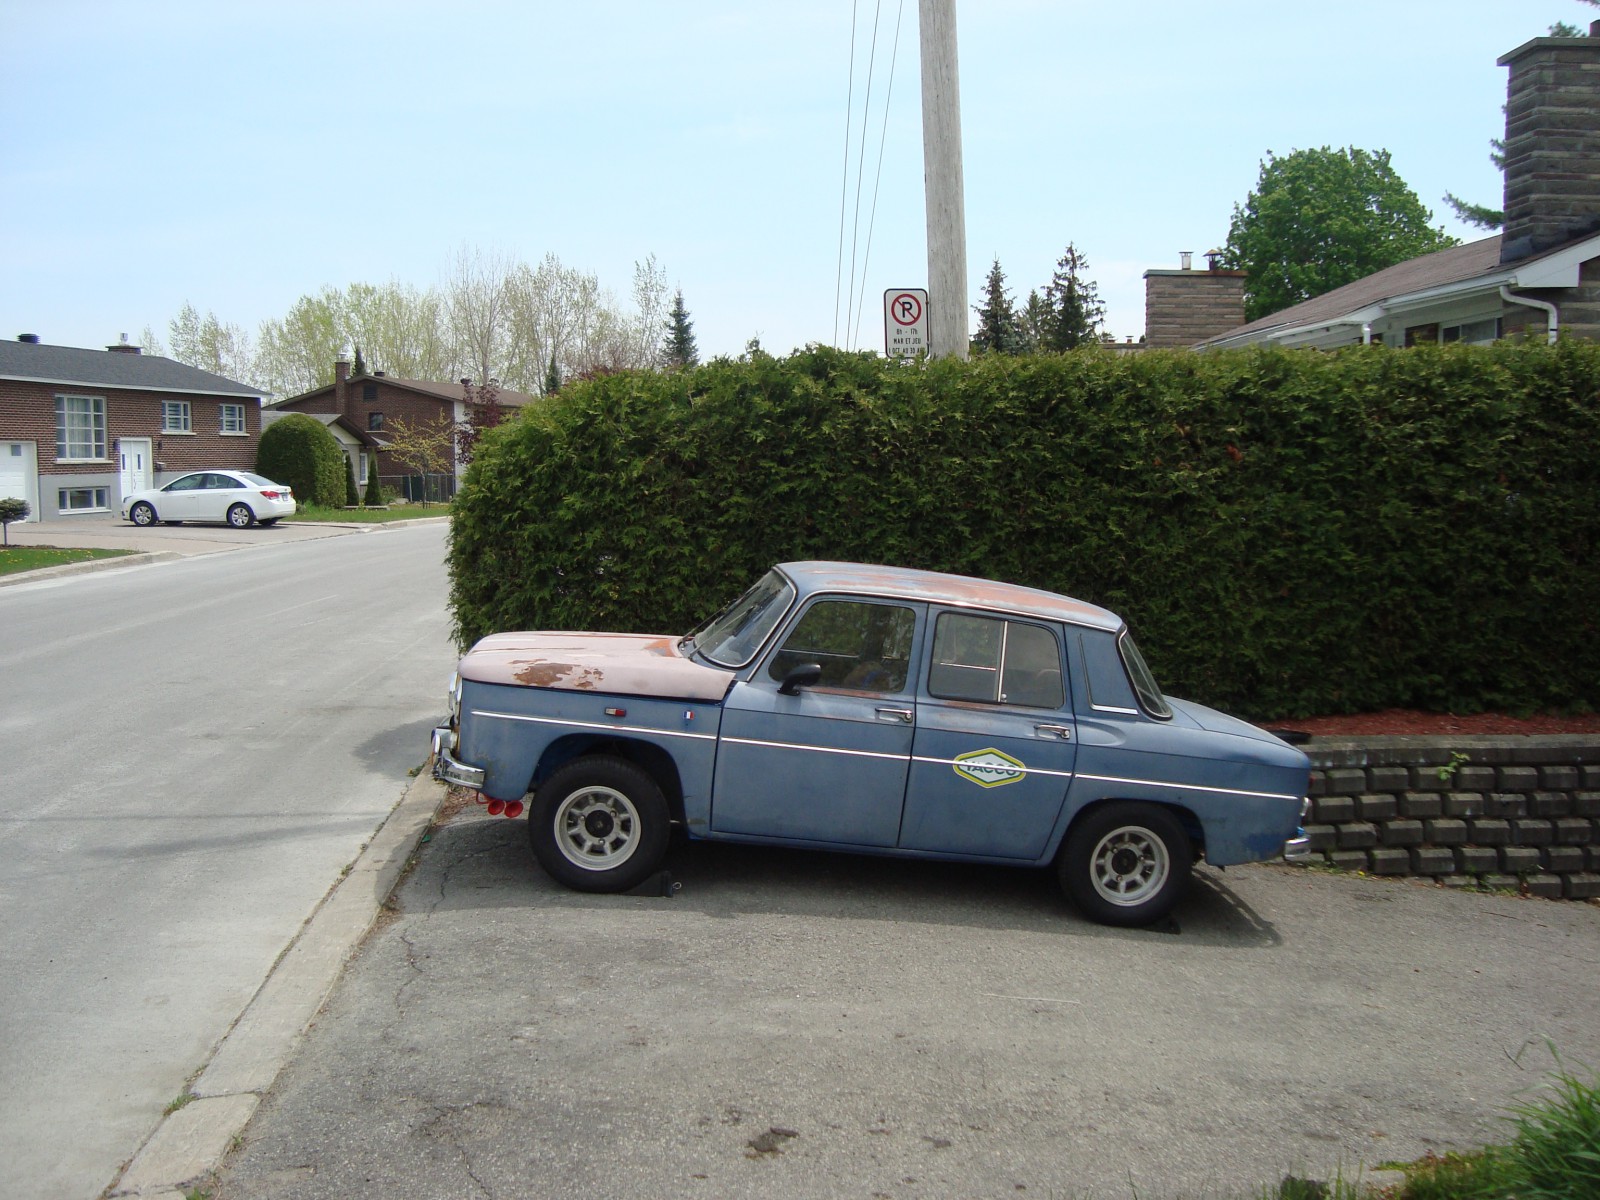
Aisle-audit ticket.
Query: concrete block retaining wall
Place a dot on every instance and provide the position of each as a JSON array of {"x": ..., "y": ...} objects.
[{"x": 1497, "y": 812}]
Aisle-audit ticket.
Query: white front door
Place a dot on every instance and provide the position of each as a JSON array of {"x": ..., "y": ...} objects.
[
  {"x": 133, "y": 456},
  {"x": 17, "y": 475}
]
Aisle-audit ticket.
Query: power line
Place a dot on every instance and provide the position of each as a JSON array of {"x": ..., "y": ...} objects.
[{"x": 883, "y": 137}]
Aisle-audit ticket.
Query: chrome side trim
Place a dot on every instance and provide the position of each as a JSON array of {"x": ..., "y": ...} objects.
[
  {"x": 608, "y": 728},
  {"x": 735, "y": 741},
  {"x": 1189, "y": 787}
]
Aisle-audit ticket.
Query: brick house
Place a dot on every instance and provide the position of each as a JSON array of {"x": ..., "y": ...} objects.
[
  {"x": 359, "y": 410},
  {"x": 1539, "y": 276},
  {"x": 79, "y": 429}
]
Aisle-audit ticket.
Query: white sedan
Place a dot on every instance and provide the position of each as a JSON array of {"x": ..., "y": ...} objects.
[{"x": 236, "y": 497}]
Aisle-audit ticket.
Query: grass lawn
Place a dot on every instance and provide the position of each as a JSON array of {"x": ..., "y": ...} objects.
[
  {"x": 398, "y": 512},
  {"x": 14, "y": 559}
]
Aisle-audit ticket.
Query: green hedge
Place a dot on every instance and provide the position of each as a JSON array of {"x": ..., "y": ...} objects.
[
  {"x": 1287, "y": 532},
  {"x": 298, "y": 450}
]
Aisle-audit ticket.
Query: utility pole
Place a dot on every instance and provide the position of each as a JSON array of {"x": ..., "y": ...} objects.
[{"x": 942, "y": 178}]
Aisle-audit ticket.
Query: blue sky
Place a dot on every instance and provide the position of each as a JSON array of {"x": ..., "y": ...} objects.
[{"x": 238, "y": 156}]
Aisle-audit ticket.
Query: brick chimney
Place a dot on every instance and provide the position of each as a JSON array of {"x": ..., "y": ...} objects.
[
  {"x": 1186, "y": 306},
  {"x": 341, "y": 387},
  {"x": 1552, "y": 157}
]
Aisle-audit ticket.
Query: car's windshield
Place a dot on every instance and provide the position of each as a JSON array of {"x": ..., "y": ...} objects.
[
  {"x": 732, "y": 637},
  {"x": 1144, "y": 683}
]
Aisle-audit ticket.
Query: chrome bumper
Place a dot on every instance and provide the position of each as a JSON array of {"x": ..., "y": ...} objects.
[
  {"x": 446, "y": 768},
  {"x": 1298, "y": 849}
]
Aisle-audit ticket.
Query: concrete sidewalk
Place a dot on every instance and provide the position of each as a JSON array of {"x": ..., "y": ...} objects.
[
  {"x": 193, "y": 1139},
  {"x": 163, "y": 543}
]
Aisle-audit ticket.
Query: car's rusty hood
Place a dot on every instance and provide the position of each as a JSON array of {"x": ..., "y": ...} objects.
[{"x": 631, "y": 664}]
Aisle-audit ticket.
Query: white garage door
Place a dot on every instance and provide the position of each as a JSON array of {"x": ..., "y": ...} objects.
[{"x": 17, "y": 474}]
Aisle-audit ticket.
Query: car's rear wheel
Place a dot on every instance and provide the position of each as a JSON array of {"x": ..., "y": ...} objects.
[
  {"x": 599, "y": 825},
  {"x": 240, "y": 516},
  {"x": 142, "y": 515},
  {"x": 1126, "y": 863},
  {"x": 268, "y": 523}
]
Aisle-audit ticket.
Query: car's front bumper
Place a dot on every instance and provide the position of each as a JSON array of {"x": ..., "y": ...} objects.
[{"x": 447, "y": 768}]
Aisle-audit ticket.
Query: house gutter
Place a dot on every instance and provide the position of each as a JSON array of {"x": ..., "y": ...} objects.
[{"x": 1553, "y": 318}]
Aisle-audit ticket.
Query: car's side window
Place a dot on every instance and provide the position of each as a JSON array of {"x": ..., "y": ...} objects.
[
  {"x": 860, "y": 646},
  {"x": 995, "y": 661},
  {"x": 188, "y": 483}
]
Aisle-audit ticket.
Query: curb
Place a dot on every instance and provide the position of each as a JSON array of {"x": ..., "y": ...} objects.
[
  {"x": 193, "y": 1140},
  {"x": 138, "y": 559}
]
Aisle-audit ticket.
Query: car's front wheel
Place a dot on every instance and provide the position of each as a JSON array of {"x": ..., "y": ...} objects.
[
  {"x": 1126, "y": 863},
  {"x": 599, "y": 824},
  {"x": 240, "y": 516},
  {"x": 142, "y": 515}
]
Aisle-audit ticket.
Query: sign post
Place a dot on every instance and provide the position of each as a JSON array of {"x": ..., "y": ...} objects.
[{"x": 905, "y": 322}]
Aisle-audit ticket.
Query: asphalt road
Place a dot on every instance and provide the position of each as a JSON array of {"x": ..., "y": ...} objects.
[
  {"x": 808, "y": 1025},
  {"x": 194, "y": 751}
]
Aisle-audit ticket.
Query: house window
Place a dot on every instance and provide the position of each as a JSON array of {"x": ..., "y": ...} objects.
[
  {"x": 369, "y": 391},
  {"x": 84, "y": 499},
  {"x": 1473, "y": 333},
  {"x": 80, "y": 427},
  {"x": 374, "y": 421},
  {"x": 175, "y": 417},
  {"x": 233, "y": 418}
]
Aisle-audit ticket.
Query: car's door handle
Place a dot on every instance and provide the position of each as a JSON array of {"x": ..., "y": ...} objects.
[
  {"x": 1064, "y": 732},
  {"x": 896, "y": 714}
]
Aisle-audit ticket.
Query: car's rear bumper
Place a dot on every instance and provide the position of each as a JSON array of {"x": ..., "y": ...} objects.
[
  {"x": 447, "y": 768},
  {"x": 1298, "y": 848}
]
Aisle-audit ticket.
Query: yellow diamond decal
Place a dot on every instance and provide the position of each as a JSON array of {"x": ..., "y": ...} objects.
[{"x": 989, "y": 768}]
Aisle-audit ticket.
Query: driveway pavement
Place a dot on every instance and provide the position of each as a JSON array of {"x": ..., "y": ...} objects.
[
  {"x": 105, "y": 531},
  {"x": 809, "y": 1025}
]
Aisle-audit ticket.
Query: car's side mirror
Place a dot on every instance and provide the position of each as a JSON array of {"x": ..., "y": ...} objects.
[{"x": 805, "y": 675}]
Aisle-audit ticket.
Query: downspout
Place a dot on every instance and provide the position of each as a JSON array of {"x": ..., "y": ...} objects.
[
  {"x": 1553, "y": 318},
  {"x": 1366, "y": 333}
]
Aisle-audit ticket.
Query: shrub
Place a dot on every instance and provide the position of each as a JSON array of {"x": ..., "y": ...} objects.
[
  {"x": 374, "y": 497},
  {"x": 1288, "y": 532},
  {"x": 351, "y": 496},
  {"x": 298, "y": 450},
  {"x": 12, "y": 508}
]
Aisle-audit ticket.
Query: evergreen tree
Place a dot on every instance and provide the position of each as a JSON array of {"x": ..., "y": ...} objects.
[
  {"x": 552, "y": 377},
  {"x": 999, "y": 326},
  {"x": 680, "y": 350},
  {"x": 351, "y": 496},
  {"x": 359, "y": 367},
  {"x": 374, "y": 496},
  {"x": 1071, "y": 311}
]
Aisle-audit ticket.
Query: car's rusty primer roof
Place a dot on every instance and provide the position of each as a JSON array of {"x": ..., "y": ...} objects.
[{"x": 963, "y": 591}]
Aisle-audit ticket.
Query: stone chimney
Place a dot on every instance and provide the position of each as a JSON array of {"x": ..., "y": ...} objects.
[
  {"x": 341, "y": 387},
  {"x": 1186, "y": 306},
  {"x": 1552, "y": 156}
]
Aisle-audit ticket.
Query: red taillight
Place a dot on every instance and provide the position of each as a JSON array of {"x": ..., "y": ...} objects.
[
  {"x": 513, "y": 808},
  {"x": 271, "y": 495},
  {"x": 496, "y": 807}
]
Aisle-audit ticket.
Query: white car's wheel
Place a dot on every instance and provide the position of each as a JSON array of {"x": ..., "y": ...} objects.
[
  {"x": 142, "y": 515},
  {"x": 240, "y": 516}
]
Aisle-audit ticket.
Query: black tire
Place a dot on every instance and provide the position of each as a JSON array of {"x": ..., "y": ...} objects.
[
  {"x": 1126, "y": 863},
  {"x": 240, "y": 516},
  {"x": 142, "y": 515},
  {"x": 599, "y": 825},
  {"x": 268, "y": 523}
]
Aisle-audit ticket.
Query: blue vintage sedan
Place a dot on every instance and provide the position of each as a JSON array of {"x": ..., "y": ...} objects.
[{"x": 874, "y": 710}]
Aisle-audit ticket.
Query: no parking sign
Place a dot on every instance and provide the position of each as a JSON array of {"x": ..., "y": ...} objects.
[{"x": 905, "y": 322}]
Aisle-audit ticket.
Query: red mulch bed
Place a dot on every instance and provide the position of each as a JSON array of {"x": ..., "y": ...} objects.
[{"x": 1408, "y": 722}]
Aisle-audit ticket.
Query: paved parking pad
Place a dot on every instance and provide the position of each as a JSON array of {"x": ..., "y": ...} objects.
[{"x": 798, "y": 1025}]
